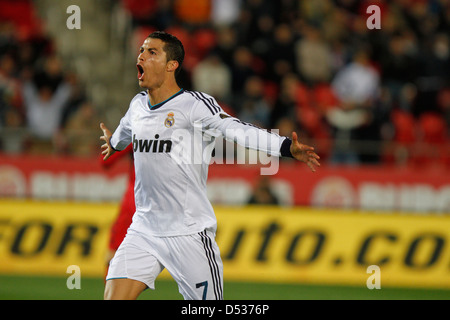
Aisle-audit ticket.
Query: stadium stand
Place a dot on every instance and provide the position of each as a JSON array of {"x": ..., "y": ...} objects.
[{"x": 275, "y": 42}]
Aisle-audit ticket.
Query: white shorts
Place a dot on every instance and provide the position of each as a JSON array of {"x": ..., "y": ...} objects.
[{"x": 193, "y": 261}]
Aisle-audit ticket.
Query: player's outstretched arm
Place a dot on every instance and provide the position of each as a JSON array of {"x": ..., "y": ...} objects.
[
  {"x": 304, "y": 153},
  {"x": 107, "y": 150}
]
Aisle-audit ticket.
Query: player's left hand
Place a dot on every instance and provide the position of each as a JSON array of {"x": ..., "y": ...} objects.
[{"x": 304, "y": 153}]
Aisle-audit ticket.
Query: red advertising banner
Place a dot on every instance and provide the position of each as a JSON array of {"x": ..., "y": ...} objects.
[
  {"x": 368, "y": 187},
  {"x": 62, "y": 178},
  {"x": 373, "y": 188}
]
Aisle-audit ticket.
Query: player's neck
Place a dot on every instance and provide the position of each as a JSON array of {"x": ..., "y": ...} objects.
[{"x": 162, "y": 93}]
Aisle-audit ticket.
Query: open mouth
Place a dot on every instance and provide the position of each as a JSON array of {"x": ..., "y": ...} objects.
[{"x": 140, "y": 71}]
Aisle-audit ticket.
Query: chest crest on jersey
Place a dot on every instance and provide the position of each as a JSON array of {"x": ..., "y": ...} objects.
[{"x": 170, "y": 120}]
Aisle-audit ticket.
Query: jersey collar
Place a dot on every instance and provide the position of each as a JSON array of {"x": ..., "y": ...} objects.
[{"x": 159, "y": 105}]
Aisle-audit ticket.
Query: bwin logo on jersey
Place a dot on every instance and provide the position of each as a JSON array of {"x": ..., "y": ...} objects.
[{"x": 155, "y": 146}]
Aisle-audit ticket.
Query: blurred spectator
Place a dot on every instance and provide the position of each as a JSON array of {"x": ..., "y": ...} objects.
[
  {"x": 165, "y": 16},
  {"x": 397, "y": 73},
  {"x": 7, "y": 37},
  {"x": 282, "y": 56},
  {"x": 433, "y": 73},
  {"x": 286, "y": 101},
  {"x": 226, "y": 44},
  {"x": 241, "y": 68},
  {"x": 356, "y": 87},
  {"x": 356, "y": 84},
  {"x": 262, "y": 193},
  {"x": 212, "y": 76},
  {"x": 10, "y": 100},
  {"x": 44, "y": 113},
  {"x": 261, "y": 41},
  {"x": 252, "y": 106},
  {"x": 77, "y": 96},
  {"x": 11, "y": 113},
  {"x": 313, "y": 56},
  {"x": 51, "y": 75},
  {"x": 81, "y": 132},
  {"x": 286, "y": 126},
  {"x": 225, "y": 12},
  {"x": 339, "y": 55},
  {"x": 247, "y": 24}
]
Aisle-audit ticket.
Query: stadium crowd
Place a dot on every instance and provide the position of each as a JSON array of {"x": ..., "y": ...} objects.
[
  {"x": 358, "y": 95},
  {"x": 41, "y": 105}
]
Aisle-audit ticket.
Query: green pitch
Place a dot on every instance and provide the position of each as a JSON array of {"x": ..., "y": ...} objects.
[{"x": 54, "y": 288}]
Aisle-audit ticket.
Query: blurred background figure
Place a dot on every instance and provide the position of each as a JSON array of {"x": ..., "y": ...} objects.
[
  {"x": 251, "y": 105},
  {"x": 213, "y": 77},
  {"x": 12, "y": 115},
  {"x": 313, "y": 56},
  {"x": 356, "y": 88},
  {"x": 262, "y": 193},
  {"x": 45, "y": 98},
  {"x": 79, "y": 132}
]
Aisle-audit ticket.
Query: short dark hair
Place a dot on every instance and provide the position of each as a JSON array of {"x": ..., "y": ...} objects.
[{"x": 172, "y": 46}]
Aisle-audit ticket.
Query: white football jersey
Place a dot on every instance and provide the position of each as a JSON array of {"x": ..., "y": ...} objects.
[{"x": 173, "y": 144}]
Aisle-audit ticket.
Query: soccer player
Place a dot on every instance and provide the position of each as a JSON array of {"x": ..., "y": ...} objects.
[{"x": 174, "y": 224}]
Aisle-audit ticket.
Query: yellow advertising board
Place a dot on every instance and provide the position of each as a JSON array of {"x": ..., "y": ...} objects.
[
  {"x": 334, "y": 246},
  {"x": 271, "y": 244},
  {"x": 47, "y": 237}
]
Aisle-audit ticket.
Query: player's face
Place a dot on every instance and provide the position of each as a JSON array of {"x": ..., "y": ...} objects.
[{"x": 151, "y": 63}]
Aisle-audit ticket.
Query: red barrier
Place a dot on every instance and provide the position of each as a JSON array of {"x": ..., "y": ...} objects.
[
  {"x": 61, "y": 178},
  {"x": 377, "y": 187}
]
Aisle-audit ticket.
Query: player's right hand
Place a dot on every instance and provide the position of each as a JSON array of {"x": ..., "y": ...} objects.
[{"x": 107, "y": 150}]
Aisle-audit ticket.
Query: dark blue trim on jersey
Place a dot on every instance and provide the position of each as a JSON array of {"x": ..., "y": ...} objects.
[
  {"x": 116, "y": 278},
  {"x": 159, "y": 105},
  {"x": 209, "y": 102},
  {"x": 285, "y": 149},
  {"x": 111, "y": 144}
]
